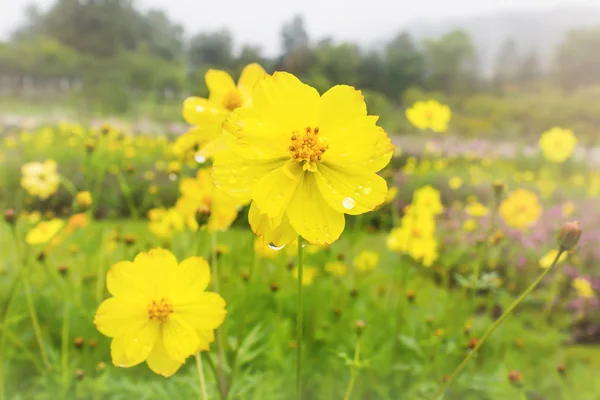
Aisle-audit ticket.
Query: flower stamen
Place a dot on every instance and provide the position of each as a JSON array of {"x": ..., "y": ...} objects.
[
  {"x": 232, "y": 100},
  {"x": 307, "y": 147},
  {"x": 160, "y": 310}
]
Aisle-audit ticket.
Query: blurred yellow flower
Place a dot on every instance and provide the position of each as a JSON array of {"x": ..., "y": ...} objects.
[
  {"x": 428, "y": 198},
  {"x": 476, "y": 209},
  {"x": 558, "y": 144},
  {"x": 366, "y": 261},
  {"x": 391, "y": 195},
  {"x": 470, "y": 225},
  {"x": 429, "y": 114},
  {"x": 584, "y": 288},
  {"x": 76, "y": 221},
  {"x": 568, "y": 209},
  {"x": 207, "y": 115},
  {"x": 336, "y": 268},
  {"x": 164, "y": 223},
  {"x": 44, "y": 231},
  {"x": 520, "y": 209},
  {"x": 200, "y": 197},
  {"x": 159, "y": 312},
  {"x": 40, "y": 179},
  {"x": 303, "y": 160},
  {"x": 548, "y": 258},
  {"x": 83, "y": 199},
  {"x": 308, "y": 274},
  {"x": 455, "y": 183},
  {"x": 174, "y": 167}
]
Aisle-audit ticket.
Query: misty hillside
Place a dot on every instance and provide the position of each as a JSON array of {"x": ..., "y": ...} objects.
[{"x": 542, "y": 30}]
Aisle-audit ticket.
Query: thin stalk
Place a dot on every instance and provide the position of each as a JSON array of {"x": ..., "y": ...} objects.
[
  {"x": 355, "y": 370},
  {"x": 203, "y": 395},
  {"x": 126, "y": 190},
  {"x": 299, "y": 312},
  {"x": 554, "y": 293},
  {"x": 35, "y": 322},
  {"x": 493, "y": 327},
  {"x": 220, "y": 349},
  {"x": 65, "y": 349}
]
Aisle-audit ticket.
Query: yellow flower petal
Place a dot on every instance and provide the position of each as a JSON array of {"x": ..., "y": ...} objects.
[
  {"x": 311, "y": 216},
  {"x": 204, "y": 312},
  {"x": 274, "y": 191},
  {"x": 160, "y": 362},
  {"x": 285, "y": 102},
  {"x": 279, "y": 235},
  {"x": 219, "y": 83},
  {"x": 158, "y": 267},
  {"x": 251, "y": 75},
  {"x": 191, "y": 278},
  {"x": 206, "y": 338},
  {"x": 384, "y": 150},
  {"x": 179, "y": 338},
  {"x": 350, "y": 190},
  {"x": 116, "y": 316},
  {"x": 202, "y": 112},
  {"x": 122, "y": 280}
]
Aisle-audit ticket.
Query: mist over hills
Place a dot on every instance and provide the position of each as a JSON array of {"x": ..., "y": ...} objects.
[{"x": 539, "y": 30}]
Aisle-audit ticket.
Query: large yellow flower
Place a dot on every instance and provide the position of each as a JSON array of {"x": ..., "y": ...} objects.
[
  {"x": 44, "y": 231},
  {"x": 558, "y": 144},
  {"x": 428, "y": 199},
  {"x": 160, "y": 312},
  {"x": 429, "y": 114},
  {"x": 520, "y": 209},
  {"x": 40, "y": 179},
  {"x": 207, "y": 115},
  {"x": 200, "y": 196},
  {"x": 304, "y": 160}
]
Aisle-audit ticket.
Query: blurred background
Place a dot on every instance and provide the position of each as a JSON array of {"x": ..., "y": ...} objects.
[{"x": 506, "y": 68}]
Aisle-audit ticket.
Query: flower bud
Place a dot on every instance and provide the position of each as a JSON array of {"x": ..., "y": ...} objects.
[
  {"x": 562, "y": 368},
  {"x": 410, "y": 295},
  {"x": 568, "y": 236},
  {"x": 498, "y": 187},
  {"x": 10, "y": 216},
  {"x": 79, "y": 374},
  {"x": 63, "y": 270},
  {"x": 360, "y": 326},
  {"x": 515, "y": 377},
  {"x": 78, "y": 342},
  {"x": 83, "y": 199},
  {"x": 92, "y": 343},
  {"x": 473, "y": 343}
]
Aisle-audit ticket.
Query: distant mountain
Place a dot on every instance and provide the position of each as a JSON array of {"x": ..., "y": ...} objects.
[{"x": 540, "y": 29}]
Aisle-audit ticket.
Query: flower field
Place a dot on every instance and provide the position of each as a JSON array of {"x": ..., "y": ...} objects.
[{"x": 285, "y": 247}]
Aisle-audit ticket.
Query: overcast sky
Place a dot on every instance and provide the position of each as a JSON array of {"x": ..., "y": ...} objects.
[{"x": 258, "y": 22}]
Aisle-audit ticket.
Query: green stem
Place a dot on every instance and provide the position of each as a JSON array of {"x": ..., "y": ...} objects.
[
  {"x": 355, "y": 370},
  {"x": 66, "y": 182},
  {"x": 220, "y": 349},
  {"x": 65, "y": 349},
  {"x": 126, "y": 190},
  {"x": 554, "y": 291},
  {"x": 203, "y": 395},
  {"x": 35, "y": 322},
  {"x": 299, "y": 312},
  {"x": 493, "y": 327}
]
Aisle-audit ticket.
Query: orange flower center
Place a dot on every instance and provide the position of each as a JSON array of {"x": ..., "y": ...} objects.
[
  {"x": 306, "y": 146},
  {"x": 160, "y": 310},
  {"x": 232, "y": 100}
]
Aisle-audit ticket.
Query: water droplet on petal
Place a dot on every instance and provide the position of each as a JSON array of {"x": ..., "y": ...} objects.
[
  {"x": 122, "y": 365},
  {"x": 199, "y": 108},
  {"x": 367, "y": 190},
  {"x": 200, "y": 159},
  {"x": 348, "y": 203},
  {"x": 273, "y": 247}
]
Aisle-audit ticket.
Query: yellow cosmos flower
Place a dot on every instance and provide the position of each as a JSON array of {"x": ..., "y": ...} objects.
[
  {"x": 455, "y": 183},
  {"x": 476, "y": 209},
  {"x": 159, "y": 312},
  {"x": 568, "y": 209},
  {"x": 548, "y": 258},
  {"x": 429, "y": 114},
  {"x": 164, "y": 223},
  {"x": 308, "y": 274},
  {"x": 558, "y": 144},
  {"x": 427, "y": 198},
  {"x": 199, "y": 196},
  {"x": 520, "y": 209},
  {"x": 366, "y": 261},
  {"x": 304, "y": 160},
  {"x": 470, "y": 225},
  {"x": 44, "y": 231},
  {"x": 584, "y": 288},
  {"x": 336, "y": 268},
  {"x": 208, "y": 115},
  {"x": 40, "y": 179},
  {"x": 83, "y": 199},
  {"x": 174, "y": 167}
]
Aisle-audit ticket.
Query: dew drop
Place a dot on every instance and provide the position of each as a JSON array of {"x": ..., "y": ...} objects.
[
  {"x": 348, "y": 203},
  {"x": 276, "y": 248},
  {"x": 122, "y": 365},
  {"x": 172, "y": 177},
  {"x": 200, "y": 159},
  {"x": 367, "y": 190},
  {"x": 199, "y": 108}
]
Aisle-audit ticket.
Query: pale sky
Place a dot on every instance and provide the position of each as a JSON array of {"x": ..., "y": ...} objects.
[{"x": 258, "y": 22}]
